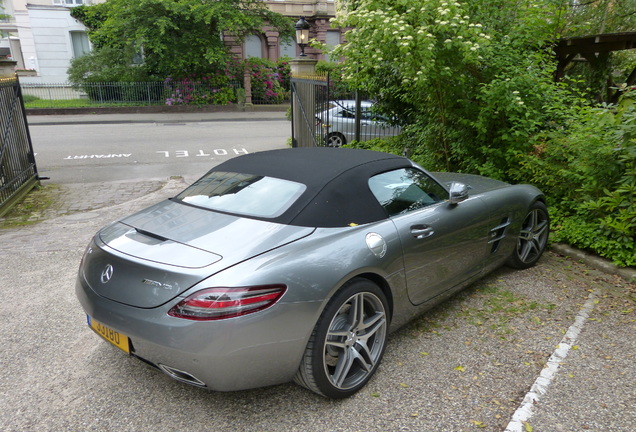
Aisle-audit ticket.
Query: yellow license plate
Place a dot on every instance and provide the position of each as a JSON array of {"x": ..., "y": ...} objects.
[{"x": 116, "y": 338}]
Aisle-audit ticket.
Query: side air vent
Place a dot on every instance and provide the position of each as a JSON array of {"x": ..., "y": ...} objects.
[{"x": 497, "y": 234}]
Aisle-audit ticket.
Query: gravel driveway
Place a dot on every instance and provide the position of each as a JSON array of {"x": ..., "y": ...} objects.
[{"x": 466, "y": 365}]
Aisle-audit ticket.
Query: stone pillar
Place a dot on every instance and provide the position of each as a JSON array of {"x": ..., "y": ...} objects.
[
  {"x": 301, "y": 66},
  {"x": 247, "y": 85},
  {"x": 7, "y": 67},
  {"x": 272, "y": 45}
]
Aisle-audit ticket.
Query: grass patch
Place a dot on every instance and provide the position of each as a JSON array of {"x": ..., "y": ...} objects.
[
  {"x": 62, "y": 103},
  {"x": 33, "y": 102},
  {"x": 499, "y": 307},
  {"x": 32, "y": 208}
]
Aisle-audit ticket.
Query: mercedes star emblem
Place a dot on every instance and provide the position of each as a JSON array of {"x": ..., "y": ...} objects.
[{"x": 107, "y": 273}]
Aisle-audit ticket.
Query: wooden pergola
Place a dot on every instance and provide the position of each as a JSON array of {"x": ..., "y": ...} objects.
[{"x": 594, "y": 49}]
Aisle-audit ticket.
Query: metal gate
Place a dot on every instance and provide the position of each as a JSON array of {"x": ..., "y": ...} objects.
[
  {"x": 319, "y": 121},
  {"x": 18, "y": 172},
  {"x": 309, "y": 100}
]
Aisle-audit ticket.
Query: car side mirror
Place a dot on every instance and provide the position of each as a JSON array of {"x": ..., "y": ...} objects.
[{"x": 458, "y": 192}]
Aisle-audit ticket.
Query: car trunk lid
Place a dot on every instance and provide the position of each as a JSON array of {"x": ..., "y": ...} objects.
[{"x": 162, "y": 251}]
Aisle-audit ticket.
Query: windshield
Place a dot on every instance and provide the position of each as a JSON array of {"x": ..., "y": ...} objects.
[{"x": 243, "y": 194}]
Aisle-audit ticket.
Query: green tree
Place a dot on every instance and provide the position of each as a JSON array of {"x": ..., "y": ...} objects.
[
  {"x": 587, "y": 17},
  {"x": 3, "y": 16},
  {"x": 173, "y": 37},
  {"x": 471, "y": 82}
]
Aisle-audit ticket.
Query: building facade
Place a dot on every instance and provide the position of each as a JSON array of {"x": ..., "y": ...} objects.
[
  {"x": 269, "y": 45},
  {"x": 43, "y": 38}
]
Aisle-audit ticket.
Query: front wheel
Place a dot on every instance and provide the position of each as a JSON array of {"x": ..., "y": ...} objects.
[
  {"x": 347, "y": 343},
  {"x": 532, "y": 239},
  {"x": 336, "y": 140}
]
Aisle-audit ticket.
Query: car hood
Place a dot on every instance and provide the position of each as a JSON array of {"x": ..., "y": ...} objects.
[{"x": 167, "y": 248}]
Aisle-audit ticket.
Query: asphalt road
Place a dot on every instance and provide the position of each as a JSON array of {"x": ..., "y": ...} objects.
[
  {"x": 466, "y": 365},
  {"x": 86, "y": 153}
]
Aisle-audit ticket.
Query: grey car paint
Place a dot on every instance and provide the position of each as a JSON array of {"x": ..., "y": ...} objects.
[
  {"x": 201, "y": 242},
  {"x": 338, "y": 123},
  {"x": 228, "y": 363},
  {"x": 265, "y": 348}
]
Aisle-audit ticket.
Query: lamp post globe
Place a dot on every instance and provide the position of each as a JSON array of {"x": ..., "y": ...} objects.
[{"x": 302, "y": 35}]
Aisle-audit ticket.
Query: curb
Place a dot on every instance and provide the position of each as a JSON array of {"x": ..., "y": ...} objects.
[
  {"x": 158, "y": 109},
  {"x": 132, "y": 120},
  {"x": 629, "y": 274}
]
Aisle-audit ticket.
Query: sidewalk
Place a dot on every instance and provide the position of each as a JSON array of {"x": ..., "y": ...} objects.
[
  {"x": 77, "y": 201},
  {"x": 162, "y": 117}
]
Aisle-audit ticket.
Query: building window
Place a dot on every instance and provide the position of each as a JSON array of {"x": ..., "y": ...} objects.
[
  {"x": 79, "y": 39},
  {"x": 332, "y": 39},
  {"x": 287, "y": 48},
  {"x": 253, "y": 47},
  {"x": 138, "y": 57},
  {"x": 70, "y": 2}
]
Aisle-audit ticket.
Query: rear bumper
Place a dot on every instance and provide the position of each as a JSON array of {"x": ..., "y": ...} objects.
[{"x": 261, "y": 349}]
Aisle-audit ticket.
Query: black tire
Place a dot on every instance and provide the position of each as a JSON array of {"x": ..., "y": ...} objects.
[
  {"x": 533, "y": 238},
  {"x": 348, "y": 341},
  {"x": 336, "y": 140}
]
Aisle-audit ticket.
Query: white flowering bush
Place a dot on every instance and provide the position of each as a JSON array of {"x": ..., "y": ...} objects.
[
  {"x": 414, "y": 42},
  {"x": 471, "y": 82},
  {"x": 473, "y": 85}
]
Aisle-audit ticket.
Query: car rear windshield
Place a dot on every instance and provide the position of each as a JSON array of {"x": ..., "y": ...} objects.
[{"x": 243, "y": 194}]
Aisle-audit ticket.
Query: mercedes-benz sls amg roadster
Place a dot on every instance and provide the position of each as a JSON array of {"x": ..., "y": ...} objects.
[{"x": 296, "y": 264}]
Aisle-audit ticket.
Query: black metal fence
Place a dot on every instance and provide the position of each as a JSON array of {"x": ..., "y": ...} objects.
[
  {"x": 18, "y": 172},
  {"x": 168, "y": 92},
  {"x": 326, "y": 113}
]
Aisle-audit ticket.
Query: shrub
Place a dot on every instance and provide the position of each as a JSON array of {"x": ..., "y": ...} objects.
[
  {"x": 29, "y": 98},
  {"x": 268, "y": 80},
  {"x": 204, "y": 90},
  {"x": 588, "y": 172}
]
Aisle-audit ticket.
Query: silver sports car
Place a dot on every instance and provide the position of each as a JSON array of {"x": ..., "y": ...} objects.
[{"x": 296, "y": 264}]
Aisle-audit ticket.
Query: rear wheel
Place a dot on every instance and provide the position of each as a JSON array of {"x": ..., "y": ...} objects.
[
  {"x": 336, "y": 140},
  {"x": 532, "y": 239},
  {"x": 347, "y": 343}
]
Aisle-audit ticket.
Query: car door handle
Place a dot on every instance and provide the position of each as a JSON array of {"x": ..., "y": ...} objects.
[{"x": 422, "y": 231}]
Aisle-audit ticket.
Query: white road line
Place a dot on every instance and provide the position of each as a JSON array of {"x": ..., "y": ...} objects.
[{"x": 540, "y": 386}]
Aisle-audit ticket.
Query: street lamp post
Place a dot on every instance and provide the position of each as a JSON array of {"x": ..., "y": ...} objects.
[
  {"x": 301, "y": 108},
  {"x": 302, "y": 35}
]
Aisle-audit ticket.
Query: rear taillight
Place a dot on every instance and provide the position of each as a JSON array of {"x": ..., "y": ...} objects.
[{"x": 221, "y": 303}]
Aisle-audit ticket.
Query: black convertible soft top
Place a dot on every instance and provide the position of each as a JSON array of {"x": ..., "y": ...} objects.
[{"x": 337, "y": 191}]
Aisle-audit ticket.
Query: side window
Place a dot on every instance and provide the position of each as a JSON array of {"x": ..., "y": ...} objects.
[
  {"x": 366, "y": 114},
  {"x": 405, "y": 190},
  {"x": 345, "y": 113}
]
